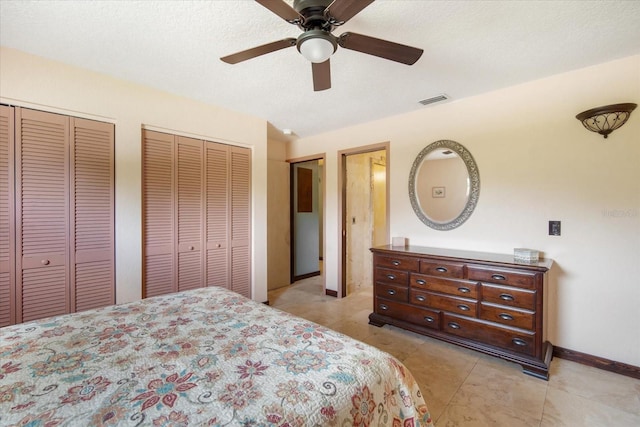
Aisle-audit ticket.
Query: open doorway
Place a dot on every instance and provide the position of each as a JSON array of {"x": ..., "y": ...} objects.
[
  {"x": 365, "y": 213},
  {"x": 306, "y": 219}
]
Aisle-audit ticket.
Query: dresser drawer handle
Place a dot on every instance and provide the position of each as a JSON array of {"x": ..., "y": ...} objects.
[
  {"x": 421, "y": 282},
  {"x": 391, "y": 277},
  {"x": 463, "y": 307},
  {"x": 441, "y": 269},
  {"x": 464, "y": 290},
  {"x": 421, "y": 298},
  {"x": 391, "y": 291},
  {"x": 453, "y": 325},
  {"x": 384, "y": 307},
  {"x": 396, "y": 263},
  {"x": 505, "y": 316},
  {"x": 506, "y": 297},
  {"x": 519, "y": 341},
  {"x": 498, "y": 277},
  {"x": 429, "y": 319}
]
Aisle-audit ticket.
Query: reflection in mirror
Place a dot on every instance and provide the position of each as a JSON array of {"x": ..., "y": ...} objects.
[{"x": 444, "y": 185}]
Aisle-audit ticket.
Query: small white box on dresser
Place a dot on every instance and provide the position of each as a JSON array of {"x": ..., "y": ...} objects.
[
  {"x": 399, "y": 241},
  {"x": 524, "y": 255}
]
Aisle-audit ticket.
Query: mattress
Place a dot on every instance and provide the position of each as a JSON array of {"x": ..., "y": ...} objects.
[{"x": 202, "y": 357}]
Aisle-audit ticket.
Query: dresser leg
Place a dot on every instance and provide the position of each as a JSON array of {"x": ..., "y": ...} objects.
[{"x": 543, "y": 370}]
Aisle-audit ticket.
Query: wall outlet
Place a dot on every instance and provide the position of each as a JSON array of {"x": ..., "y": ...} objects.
[{"x": 554, "y": 228}]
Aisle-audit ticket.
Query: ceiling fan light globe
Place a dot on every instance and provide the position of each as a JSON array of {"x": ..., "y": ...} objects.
[{"x": 316, "y": 49}]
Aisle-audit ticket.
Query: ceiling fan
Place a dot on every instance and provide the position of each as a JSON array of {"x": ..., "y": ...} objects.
[{"x": 317, "y": 19}]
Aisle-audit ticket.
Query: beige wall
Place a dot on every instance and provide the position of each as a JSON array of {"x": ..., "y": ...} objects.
[
  {"x": 537, "y": 163},
  {"x": 34, "y": 82}
]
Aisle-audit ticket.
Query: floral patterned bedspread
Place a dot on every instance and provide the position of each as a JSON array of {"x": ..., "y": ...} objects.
[{"x": 202, "y": 357}]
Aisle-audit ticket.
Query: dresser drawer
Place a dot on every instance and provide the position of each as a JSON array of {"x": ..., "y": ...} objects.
[
  {"x": 507, "y": 316},
  {"x": 392, "y": 277},
  {"x": 416, "y": 315},
  {"x": 512, "y": 297},
  {"x": 442, "y": 269},
  {"x": 392, "y": 292},
  {"x": 520, "y": 279},
  {"x": 467, "y": 307},
  {"x": 446, "y": 286},
  {"x": 506, "y": 338},
  {"x": 399, "y": 263}
]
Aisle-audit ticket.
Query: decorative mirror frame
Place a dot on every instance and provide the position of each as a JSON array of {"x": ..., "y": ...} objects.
[{"x": 474, "y": 180}]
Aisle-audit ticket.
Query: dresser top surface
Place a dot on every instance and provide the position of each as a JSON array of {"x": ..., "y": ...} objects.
[{"x": 470, "y": 256}]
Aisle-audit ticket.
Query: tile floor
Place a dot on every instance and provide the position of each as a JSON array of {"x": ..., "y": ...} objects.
[{"x": 466, "y": 388}]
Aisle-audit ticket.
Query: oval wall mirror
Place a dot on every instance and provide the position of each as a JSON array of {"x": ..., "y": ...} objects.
[{"x": 444, "y": 185}]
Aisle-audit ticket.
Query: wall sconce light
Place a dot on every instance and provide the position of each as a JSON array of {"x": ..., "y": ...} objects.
[{"x": 605, "y": 120}]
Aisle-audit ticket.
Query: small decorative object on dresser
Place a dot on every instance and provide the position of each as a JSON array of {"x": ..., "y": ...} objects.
[{"x": 483, "y": 301}]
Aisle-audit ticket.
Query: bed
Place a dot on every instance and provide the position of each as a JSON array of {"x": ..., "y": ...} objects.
[{"x": 202, "y": 357}]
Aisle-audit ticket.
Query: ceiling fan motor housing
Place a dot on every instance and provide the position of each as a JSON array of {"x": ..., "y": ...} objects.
[
  {"x": 313, "y": 12},
  {"x": 316, "y": 26}
]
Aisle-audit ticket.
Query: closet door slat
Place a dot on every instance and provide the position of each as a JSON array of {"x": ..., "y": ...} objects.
[
  {"x": 159, "y": 273},
  {"x": 92, "y": 220},
  {"x": 240, "y": 213},
  {"x": 217, "y": 214},
  {"x": 189, "y": 212},
  {"x": 7, "y": 218},
  {"x": 42, "y": 214}
]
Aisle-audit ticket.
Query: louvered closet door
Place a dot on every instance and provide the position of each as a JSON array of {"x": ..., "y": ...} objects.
[
  {"x": 189, "y": 212},
  {"x": 217, "y": 214},
  {"x": 92, "y": 222},
  {"x": 158, "y": 214},
  {"x": 7, "y": 221},
  {"x": 240, "y": 180},
  {"x": 42, "y": 214}
]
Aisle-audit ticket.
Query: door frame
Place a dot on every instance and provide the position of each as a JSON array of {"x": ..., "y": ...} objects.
[
  {"x": 322, "y": 187},
  {"x": 342, "y": 203}
]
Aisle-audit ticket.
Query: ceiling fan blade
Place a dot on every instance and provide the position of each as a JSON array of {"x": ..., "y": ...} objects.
[
  {"x": 378, "y": 47},
  {"x": 282, "y": 9},
  {"x": 258, "y": 50},
  {"x": 321, "y": 75},
  {"x": 343, "y": 10}
]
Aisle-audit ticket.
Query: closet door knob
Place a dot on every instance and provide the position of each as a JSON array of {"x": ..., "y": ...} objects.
[
  {"x": 218, "y": 245},
  {"x": 45, "y": 262},
  {"x": 191, "y": 248}
]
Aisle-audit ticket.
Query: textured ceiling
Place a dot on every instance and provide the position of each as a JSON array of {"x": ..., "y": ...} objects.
[{"x": 470, "y": 47}]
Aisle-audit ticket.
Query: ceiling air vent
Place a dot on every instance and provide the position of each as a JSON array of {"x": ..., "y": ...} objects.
[{"x": 434, "y": 99}]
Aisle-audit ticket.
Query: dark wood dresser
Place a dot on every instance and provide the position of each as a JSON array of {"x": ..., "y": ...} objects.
[{"x": 483, "y": 301}]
